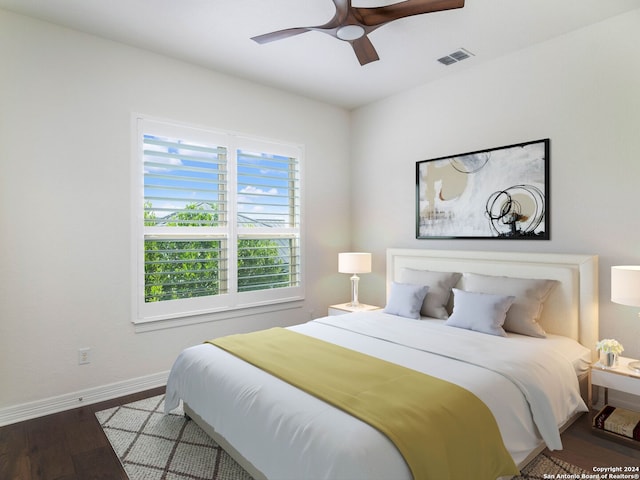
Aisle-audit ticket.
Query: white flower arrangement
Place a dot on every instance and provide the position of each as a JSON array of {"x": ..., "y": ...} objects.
[{"x": 609, "y": 345}]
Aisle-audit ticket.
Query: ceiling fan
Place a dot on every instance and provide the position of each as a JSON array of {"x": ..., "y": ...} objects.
[{"x": 353, "y": 24}]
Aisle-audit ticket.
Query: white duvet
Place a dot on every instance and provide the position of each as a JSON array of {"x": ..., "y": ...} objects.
[{"x": 529, "y": 384}]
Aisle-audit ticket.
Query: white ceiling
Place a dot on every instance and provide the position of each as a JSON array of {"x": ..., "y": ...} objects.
[{"x": 216, "y": 34}]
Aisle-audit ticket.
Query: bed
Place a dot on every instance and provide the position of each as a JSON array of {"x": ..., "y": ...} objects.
[{"x": 533, "y": 380}]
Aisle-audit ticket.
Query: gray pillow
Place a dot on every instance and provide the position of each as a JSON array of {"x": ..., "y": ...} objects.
[
  {"x": 524, "y": 314},
  {"x": 405, "y": 300},
  {"x": 481, "y": 312},
  {"x": 440, "y": 285}
]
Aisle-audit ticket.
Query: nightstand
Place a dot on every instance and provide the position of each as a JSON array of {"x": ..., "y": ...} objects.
[
  {"x": 620, "y": 378},
  {"x": 343, "y": 308}
]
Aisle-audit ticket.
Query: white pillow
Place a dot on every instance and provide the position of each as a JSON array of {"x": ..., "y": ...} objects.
[
  {"x": 440, "y": 285},
  {"x": 405, "y": 300},
  {"x": 481, "y": 312},
  {"x": 524, "y": 314}
]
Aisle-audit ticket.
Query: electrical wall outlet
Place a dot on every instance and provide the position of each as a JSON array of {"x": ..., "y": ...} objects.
[{"x": 84, "y": 356}]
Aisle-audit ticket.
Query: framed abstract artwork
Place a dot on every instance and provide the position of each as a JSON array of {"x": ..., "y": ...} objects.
[{"x": 500, "y": 193}]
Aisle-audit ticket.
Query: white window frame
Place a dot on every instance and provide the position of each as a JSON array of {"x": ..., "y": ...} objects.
[{"x": 233, "y": 303}]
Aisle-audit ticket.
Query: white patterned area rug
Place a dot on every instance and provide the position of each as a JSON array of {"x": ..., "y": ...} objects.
[
  {"x": 546, "y": 467},
  {"x": 153, "y": 446}
]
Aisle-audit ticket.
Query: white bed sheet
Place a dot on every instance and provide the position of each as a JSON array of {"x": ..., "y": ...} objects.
[{"x": 286, "y": 433}]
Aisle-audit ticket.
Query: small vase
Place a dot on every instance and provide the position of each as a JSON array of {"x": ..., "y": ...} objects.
[{"x": 608, "y": 359}]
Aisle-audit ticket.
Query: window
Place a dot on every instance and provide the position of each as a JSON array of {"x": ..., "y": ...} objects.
[{"x": 218, "y": 221}]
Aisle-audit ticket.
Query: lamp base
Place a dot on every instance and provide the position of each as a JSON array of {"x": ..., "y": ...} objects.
[
  {"x": 635, "y": 366},
  {"x": 354, "y": 291}
]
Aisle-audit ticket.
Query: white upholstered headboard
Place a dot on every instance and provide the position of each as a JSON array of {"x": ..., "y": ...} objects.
[{"x": 571, "y": 309}]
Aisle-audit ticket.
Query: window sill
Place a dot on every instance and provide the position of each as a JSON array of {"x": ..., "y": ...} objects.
[{"x": 151, "y": 326}]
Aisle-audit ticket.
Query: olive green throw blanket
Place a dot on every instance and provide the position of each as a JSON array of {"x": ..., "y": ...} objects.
[{"x": 442, "y": 430}]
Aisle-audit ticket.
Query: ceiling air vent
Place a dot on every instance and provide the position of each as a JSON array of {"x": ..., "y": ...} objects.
[
  {"x": 447, "y": 60},
  {"x": 455, "y": 57}
]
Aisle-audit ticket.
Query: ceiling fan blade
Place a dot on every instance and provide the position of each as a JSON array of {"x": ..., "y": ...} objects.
[
  {"x": 279, "y": 35},
  {"x": 365, "y": 51},
  {"x": 380, "y": 15},
  {"x": 342, "y": 12}
]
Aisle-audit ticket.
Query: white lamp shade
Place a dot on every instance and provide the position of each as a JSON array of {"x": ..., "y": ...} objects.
[
  {"x": 354, "y": 262},
  {"x": 625, "y": 285}
]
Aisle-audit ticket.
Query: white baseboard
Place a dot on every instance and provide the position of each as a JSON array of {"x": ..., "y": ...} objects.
[{"x": 47, "y": 406}]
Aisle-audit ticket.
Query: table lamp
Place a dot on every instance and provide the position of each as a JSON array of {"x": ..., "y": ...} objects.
[
  {"x": 354, "y": 263},
  {"x": 625, "y": 289}
]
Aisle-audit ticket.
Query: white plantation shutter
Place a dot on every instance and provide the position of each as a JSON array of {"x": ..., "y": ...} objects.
[
  {"x": 185, "y": 216},
  {"x": 178, "y": 173},
  {"x": 268, "y": 186},
  {"x": 219, "y": 222},
  {"x": 268, "y": 221}
]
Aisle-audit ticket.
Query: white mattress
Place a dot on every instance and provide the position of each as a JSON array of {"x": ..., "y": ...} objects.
[{"x": 286, "y": 433}]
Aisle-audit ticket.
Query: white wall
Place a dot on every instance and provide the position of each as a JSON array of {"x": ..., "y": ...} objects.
[
  {"x": 581, "y": 90},
  {"x": 66, "y": 101}
]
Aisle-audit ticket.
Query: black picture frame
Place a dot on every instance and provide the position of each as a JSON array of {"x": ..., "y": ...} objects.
[{"x": 497, "y": 193}]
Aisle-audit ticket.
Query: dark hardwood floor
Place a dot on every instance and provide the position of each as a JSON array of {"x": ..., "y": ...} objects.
[
  {"x": 586, "y": 450},
  {"x": 71, "y": 446},
  {"x": 64, "y": 446}
]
